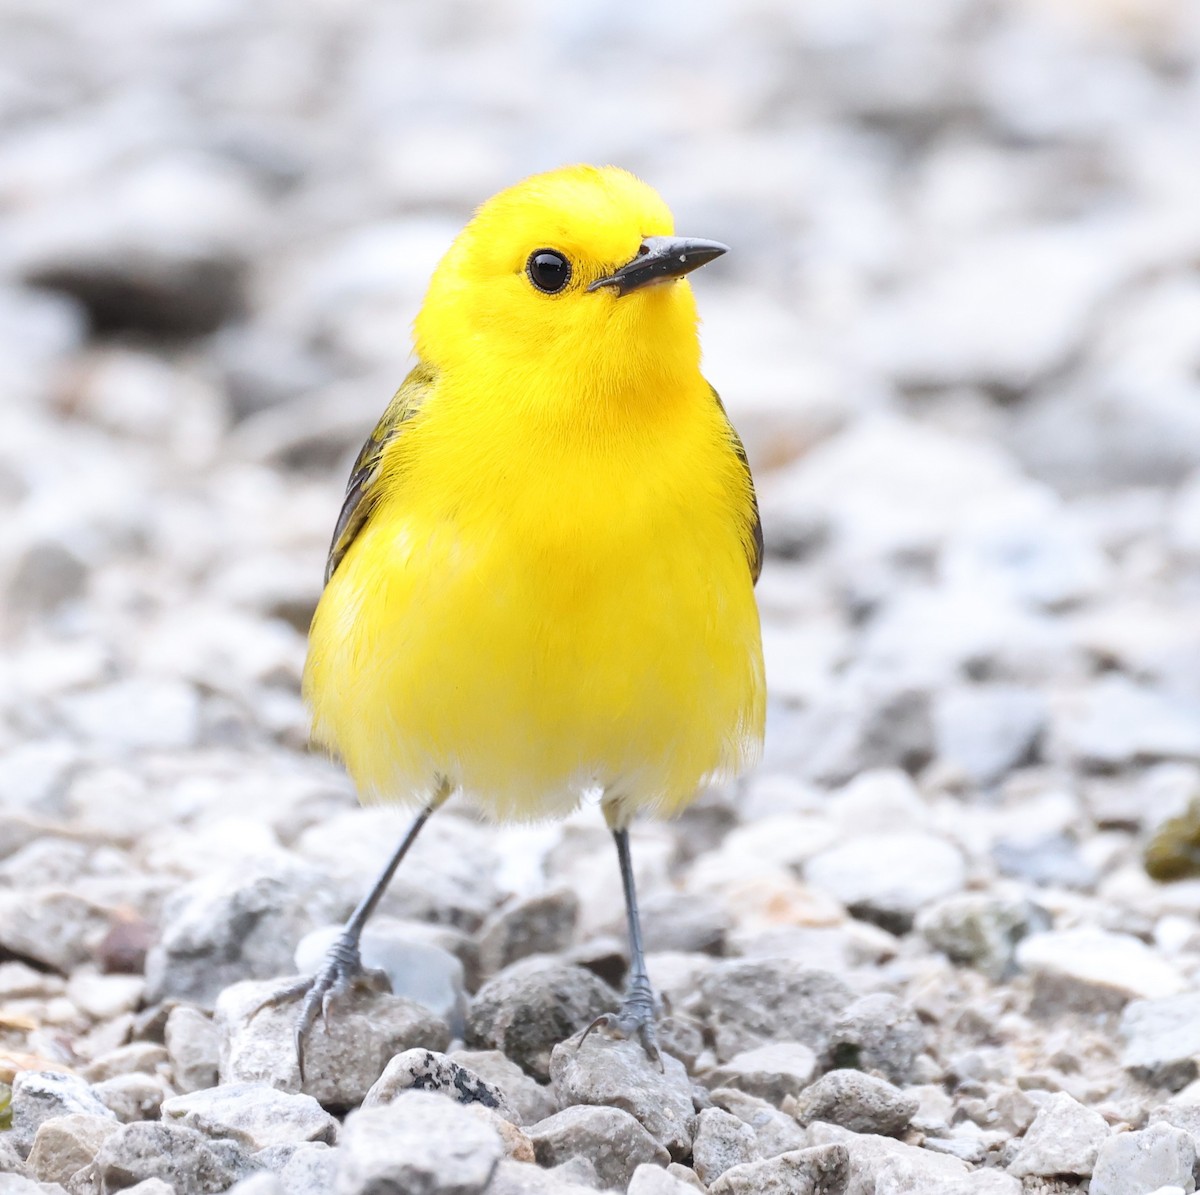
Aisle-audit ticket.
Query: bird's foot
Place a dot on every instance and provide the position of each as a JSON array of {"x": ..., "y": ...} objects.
[
  {"x": 341, "y": 972},
  {"x": 634, "y": 1019}
]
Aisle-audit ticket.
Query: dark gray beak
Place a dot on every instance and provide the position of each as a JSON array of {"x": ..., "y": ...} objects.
[{"x": 659, "y": 259}]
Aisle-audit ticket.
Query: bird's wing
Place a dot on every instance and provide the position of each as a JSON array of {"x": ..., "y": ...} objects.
[
  {"x": 362, "y": 492},
  {"x": 755, "y": 556}
]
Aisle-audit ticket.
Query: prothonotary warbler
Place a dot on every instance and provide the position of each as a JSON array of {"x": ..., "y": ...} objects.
[{"x": 541, "y": 582}]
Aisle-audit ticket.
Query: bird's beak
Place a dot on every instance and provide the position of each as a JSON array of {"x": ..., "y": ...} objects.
[{"x": 659, "y": 260}]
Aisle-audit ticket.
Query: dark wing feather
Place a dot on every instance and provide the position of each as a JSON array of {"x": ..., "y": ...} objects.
[
  {"x": 362, "y": 492},
  {"x": 755, "y": 556}
]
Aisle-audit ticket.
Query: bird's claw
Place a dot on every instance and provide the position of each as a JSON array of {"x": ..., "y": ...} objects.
[
  {"x": 341, "y": 972},
  {"x": 634, "y": 1019}
]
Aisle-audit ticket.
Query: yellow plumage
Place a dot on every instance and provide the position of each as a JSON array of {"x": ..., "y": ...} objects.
[{"x": 542, "y": 580}]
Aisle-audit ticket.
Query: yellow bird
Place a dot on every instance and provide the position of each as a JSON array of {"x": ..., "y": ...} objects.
[{"x": 541, "y": 582}]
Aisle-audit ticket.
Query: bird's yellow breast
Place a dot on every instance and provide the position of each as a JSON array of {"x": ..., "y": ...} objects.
[{"x": 541, "y": 605}]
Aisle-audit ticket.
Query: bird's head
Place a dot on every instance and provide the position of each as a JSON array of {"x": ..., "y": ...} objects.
[{"x": 576, "y": 272}]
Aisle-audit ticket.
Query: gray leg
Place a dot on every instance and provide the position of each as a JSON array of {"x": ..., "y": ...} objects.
[
  {"x": 635, "y": 1018},
  {"x": 343, "y": 968}
]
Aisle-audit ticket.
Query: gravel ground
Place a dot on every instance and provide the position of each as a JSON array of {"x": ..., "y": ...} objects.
[{"x": 917, "y": 951}]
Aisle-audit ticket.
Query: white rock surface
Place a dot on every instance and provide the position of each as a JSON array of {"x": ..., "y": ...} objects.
[
  {"x": 890, "y": 875},
  {"x": 1064, "y": 1138},
  {"x": 419, "y": 1142},
  {"x": 1094, "y": 968}
]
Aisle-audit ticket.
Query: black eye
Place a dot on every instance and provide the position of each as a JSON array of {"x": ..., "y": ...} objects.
[{"x": 548, "y": 271}]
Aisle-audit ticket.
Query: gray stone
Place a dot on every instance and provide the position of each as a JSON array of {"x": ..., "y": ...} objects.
[
  {"x": 722, "y": 1141},
  {"x": 34, "y": 775},
  {"x": 178, "y": 1155},
  {"x": 136, "y": 714},
  {"x": 528, "y": 1098},
  {"x": 858, "y": 1102},
  {"x": 417, "y": 968},
  {"x": 20, "y": 981},
  {"x": 913, "y": 483},
  {"x": 530, "y": 1007},
  {"x": 689, "y": 922},
  {"x": 448, "y": 877},
  {"x": 46, "y": 574},
  {"x": 542, "y": 924},
  {"x": 18, "y": 1184},
  {"x": 38, "y": 1096},
  {"x": 1102, "y": 432},
  {"x": 822, "y": 1170},
  {"x": 576, "y": 1171},
  {"x": 194, "y": 1047},
  {"x": 1065, "y": 1138},
  {"x": 884, "y": 1164},
  {"x": 238, "y": 925},
  {"x": 654, "y": 1180},
  {"x": 986, "y": 730},
  {"x": 685, "y": 1174},
  {"x": 977, "y": 1182},
  {"x": 981, "y": 929},
  {"x": 159, "y": 246},
  {"x": 66, "y": 1144},
  {"x": 619, "y": 1074},
  {"x": 1162, "y": 1039},
  {"x": 612, "y": 1140},
  {"x": 962, "y": 1144},
  {"x": 681, "y": 1036},
  {"x": 748, "y": 1003},
  {"x": 137, "y": 1057},
  {"x": 156, "y": 1186},
  {"x": 342, "y": 1059},
  {"x": 1117, "y": 723},
  {"x": 1046, "y": 860},
  {"x": 1092, "y": 970},
  {"x": 520, "y": 1178},
  {"x": 1180, "y": 1112},
  {"x": 775, "y": 1132},
  {"x": 888, "y": 877},
  {"x": 878, "y": 1032},
  {"x": 513, "y": 1139},
  {"x": 772, "y": 1072},
  {"x": 950, "y": 324},
  {"x": 421, "y": 1144},
  {"x": 862, "y": 727},
  {"x": 427, "y": 1070},
  {"x": 1131, "y": 1163},
  {"x": 11, "y": 1162},
  {"x": 253, "y": 1115},
  {"x": 133, "y": 1097},
  {"x": 307, "y": 1169},
  {"x": 1035, "y": 553},
  {"x": 57, "y": 928},
  {"x": 262, "y": 1183}
]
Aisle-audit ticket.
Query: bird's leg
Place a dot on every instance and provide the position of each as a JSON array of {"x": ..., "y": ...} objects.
[
  {"x": 343, "y": 969},
  {"x": 635, "y": 1018}
]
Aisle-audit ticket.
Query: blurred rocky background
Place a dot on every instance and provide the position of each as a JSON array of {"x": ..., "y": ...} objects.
[{"x": 960, "y": 334}]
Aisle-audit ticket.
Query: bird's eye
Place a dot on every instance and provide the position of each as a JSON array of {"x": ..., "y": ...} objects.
[{"x": 548, "y": 270}]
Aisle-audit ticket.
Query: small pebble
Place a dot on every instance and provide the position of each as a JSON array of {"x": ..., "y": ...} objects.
[
  {"x": 418, "y": 1142},
  {"x": 427, "y": 1070},
  {"x": 609, "y": 1138},
  {"x": 859, "y": 1102},
  {"x": 619, "y": 1074},
  {"x": 722, "y": 1141},
  {"x": 530, "y": 1007},
  {"x": 253, "y": 1115},
  {"x": 1064, "y": 1138}
]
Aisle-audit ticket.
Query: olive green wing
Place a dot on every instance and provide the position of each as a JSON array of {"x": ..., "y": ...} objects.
[
  {"x": 755, "y": 556},
  {"x": 362, "y": 491}
]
